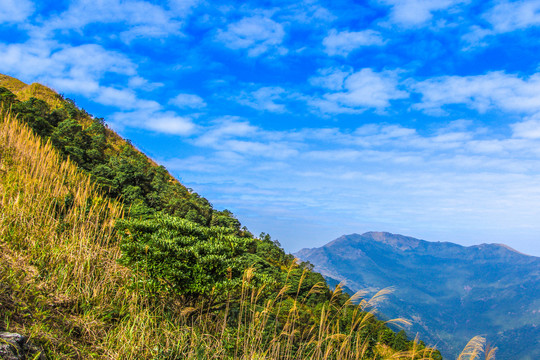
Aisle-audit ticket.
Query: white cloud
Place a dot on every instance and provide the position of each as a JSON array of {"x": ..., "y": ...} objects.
[
  {"x": 140, "y": 18},
  {"x": 140, "y": 83},
  {"x": 494, "y": 90},
  {"x": 342, "y": 43},
  {"x": 416, "y": 12},
  {"x": 93, "y": 59},
  {"x": 15, "y": 10},
  {"x": 306, "y": 12},
  {"x": 80, "y": 70},
  {"x": 75, "y": 69},
  {"x": 125, "y": 99},
  {"x": 183, "y": 7},
  {"x": 164, "y": 122},
  {"x": 528, "y": 129},
  {"x": 504, "y": 17},
  {"x": 367, "y": 88},
  {"x": 224, "y": 129},
  {"x": 191, "y": 101},
  {"x": 330, "y": 78},
  {"x": 372, "y": 135},
  {"x": 388, "y": 142},
  {"x": 509, "y": 16},
  {"x": 357, "y": 91},
  {"x": 232, "y": 135},
  {"x": 256, "y": 34},
  {"x": 260, "y": 149},
  {"x": 269, "y": 98}
]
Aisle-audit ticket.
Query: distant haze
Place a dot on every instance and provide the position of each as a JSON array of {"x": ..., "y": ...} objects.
[{"x": 449, "y": 292}]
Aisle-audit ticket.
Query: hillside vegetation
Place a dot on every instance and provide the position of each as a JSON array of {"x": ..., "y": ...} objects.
[{"x": 105, "y": 255}]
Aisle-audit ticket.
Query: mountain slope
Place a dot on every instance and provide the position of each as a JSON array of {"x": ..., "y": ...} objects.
[
  {"x": 166, "y": 277},
  {"x": 451, "y": 292}
]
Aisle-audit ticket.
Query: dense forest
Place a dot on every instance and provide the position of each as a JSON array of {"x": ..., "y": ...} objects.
[{"x": 108, "y": 256}]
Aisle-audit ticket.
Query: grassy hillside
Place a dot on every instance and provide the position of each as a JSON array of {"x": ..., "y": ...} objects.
[{"x": 105, "y": 255}]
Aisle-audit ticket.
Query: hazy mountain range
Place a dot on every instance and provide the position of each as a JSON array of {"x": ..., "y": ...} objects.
[{"x": 450, "y": 292}]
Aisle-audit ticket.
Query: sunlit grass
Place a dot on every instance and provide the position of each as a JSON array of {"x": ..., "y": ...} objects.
[{"x": 61, "y": 283}]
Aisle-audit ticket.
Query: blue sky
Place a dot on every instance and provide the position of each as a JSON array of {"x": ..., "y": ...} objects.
[{"x": 312, "y": 119}]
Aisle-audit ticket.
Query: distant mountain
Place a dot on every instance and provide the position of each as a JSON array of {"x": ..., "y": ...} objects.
[{"x": 452, "y": 292}]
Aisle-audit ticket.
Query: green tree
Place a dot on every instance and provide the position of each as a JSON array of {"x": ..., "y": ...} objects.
[
  {"x": 400, "y": 341},
  {"x": 179, "y": 256}
]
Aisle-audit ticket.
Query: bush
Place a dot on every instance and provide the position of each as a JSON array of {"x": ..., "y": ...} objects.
[{"x": 179, "y": 256}]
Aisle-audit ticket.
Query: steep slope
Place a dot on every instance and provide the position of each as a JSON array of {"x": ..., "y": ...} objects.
[
  {"x": 114, "y": 163},
  {"x": 168, "y": 278},
  {"x": 451, "y": 292}
]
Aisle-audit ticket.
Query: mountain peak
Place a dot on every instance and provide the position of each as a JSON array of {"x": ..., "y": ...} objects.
[
  {"x": 510, "y": 249},
  {"x": 396, "y": 241},
  {"x": 445, "y": 285}
]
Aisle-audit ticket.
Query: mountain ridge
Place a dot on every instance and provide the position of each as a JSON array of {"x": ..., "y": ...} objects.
[
  {"x": 380, "y": 236},
  {"x": 445, "y": 287}
]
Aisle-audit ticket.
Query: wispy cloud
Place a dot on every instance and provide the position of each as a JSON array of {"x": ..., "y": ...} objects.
[
  {"x": 416, "y": 12},
  {"x": 12, "y": 11},
  {"x": 81, "y": 70},
  {"x": 75, "y": 69},
  {"x": 156, "y": 120},
  {"x": 140, "y": 83},
  {"x": 356, "y": 91},
  {"x": 183, "y": 8},
  {"x": 237, "y": 136},
  {"x": 494, "y": 90},
  {"x": 137, "y": 18},
  {"x": 306, "y": 12},
  {"x": 342, "y": 43},
  {"x": 509, "y": 16},
  {"x": 256, "y": 34},
  {"x": 528, "y": 129},
  {"x": 504, "y": 17},
  {"x": 268, "y": 98},
  {"x": 189, "y": 101}
]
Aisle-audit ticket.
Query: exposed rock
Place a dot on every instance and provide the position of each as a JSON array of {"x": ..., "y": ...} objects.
[{"x": 18, "y": 347}]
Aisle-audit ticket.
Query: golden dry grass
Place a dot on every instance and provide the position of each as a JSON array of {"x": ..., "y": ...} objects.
[
  {"x": 25, "y": 92},
  {"x": 61, "y": 284},
  {"x": 11, "y": 83}
]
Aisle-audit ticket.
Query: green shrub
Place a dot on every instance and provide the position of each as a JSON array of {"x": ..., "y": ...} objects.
[{"x": 180, "y": 256}]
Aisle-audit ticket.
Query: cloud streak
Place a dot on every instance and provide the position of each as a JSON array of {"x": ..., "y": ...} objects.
[
  {"x": 510, "y": 16},
  {"x": 137, "y": 19},
  {"x": 343, "y": 43},
  {"x": 410, "y": 13},
  {"x": 494, "y": 90},
  {"x": 256, "y": 34},
  {"x": 13, "y": 11},
  {"x": 353, "y": 92}
]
